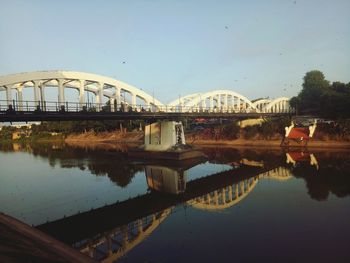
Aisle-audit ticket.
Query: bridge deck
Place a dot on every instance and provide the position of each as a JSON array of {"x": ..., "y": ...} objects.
[{"x": 24, "y": 116}]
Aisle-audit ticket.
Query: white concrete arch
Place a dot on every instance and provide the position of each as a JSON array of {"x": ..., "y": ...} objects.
[
  {"x": 279, "y": 105},
  {"x": 183, "y": 100},
  {"x": 261, "y": 104},
  {"x": 225, "y": 101},
  {"x": 81, "y": 81}
]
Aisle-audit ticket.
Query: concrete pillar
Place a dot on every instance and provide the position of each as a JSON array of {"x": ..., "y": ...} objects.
[
  {"x": 98, "y": 100},
  {"x": 9, "y": 95},
  {"x": 226, "y": 102},
  {"x": 81, "y": 94},
  {"x": 230, "y": 193},
  {"x": 61, "y": 98},
  {"x": 211, "y": 103},
  {"x": 36, "y": 93},
  {"x": 99, "y": 96},
  {"x": 208, "y": 199},
  {"x": 20, "y": 97},
  {"x": 219, "y": 102},
  {"x": 223, "y": 196},
  {"x": 133, "y": 100},
  {"x": 117, "y": 95},
  {"x": 241, "y": 186},
  {"x": 42, "y": 93},
  {"x": 163, "y": 135},
  {"x": 112, "y": 103},
  {"x": 216, "y": 197},
  {"x": 203, "y": 104}
]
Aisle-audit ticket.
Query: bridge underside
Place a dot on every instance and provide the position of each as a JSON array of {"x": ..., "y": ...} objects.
[{"x": 151, "y": 116}]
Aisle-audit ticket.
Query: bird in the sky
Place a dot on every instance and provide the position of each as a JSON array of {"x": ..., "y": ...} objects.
[
  {"x": 124, "y": 62},
  {"x": 226, "y": 27}
]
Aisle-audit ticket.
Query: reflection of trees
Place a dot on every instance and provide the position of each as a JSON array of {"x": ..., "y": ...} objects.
[
  {"x": 118, "y": 169},
  {"x": 233, "y": 155},
  {"x": 332, "y": 177},
  {"x": 98, "y": 162}
]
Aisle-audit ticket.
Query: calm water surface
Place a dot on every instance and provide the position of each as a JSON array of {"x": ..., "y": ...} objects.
[{"x": 241, "y": 205}]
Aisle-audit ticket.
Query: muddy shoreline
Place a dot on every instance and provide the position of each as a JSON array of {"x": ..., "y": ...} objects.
[{"x": 135, "y": 139}]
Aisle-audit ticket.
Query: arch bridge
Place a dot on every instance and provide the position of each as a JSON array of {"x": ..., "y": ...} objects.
[
  {"x": 114, "y": 90},
  {"x": 112, "y": 95}
]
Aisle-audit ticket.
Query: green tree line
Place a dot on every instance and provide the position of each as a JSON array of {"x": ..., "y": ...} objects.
[{"x": 322, "y": 98}]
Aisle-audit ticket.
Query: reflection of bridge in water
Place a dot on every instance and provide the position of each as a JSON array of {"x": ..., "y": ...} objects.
[
  {"x": 110, "y": 232},
  {"x": 112, "y": 245},
  {"x": 231, "y": 195}
]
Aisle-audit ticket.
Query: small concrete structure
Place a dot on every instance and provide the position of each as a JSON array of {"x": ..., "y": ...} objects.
[
  {"x": 162, "y": 136},
  {"x": 250, "y": 122}
]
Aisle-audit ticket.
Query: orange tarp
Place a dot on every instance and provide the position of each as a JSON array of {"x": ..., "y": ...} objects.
[{"x": 297, "y": 133}]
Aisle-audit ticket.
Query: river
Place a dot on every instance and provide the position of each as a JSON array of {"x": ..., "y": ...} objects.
[{"x": 241, "y": 205}]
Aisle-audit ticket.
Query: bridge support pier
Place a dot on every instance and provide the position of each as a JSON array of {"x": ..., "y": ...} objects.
[
  {"x": 163, "y": 135},
  {"x": 165, "y": 140}
]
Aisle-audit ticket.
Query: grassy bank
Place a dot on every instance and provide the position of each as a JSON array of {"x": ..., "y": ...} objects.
[{"x": 115, "y": 137}]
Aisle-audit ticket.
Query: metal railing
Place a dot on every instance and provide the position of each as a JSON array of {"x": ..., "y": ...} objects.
[{"x": 54, "y": 106}]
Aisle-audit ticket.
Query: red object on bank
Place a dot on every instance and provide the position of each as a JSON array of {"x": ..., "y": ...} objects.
[{"x": 298, "y": 133}]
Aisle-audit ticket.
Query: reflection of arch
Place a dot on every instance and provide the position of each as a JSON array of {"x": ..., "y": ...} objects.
[
  {"x": 280, "y": 173},
  {"x": 116, "y": 243},
  {"x": 83, "y": 82},
  {"x": 225, "y": 197},
  {"x": 233, "y": 194}
]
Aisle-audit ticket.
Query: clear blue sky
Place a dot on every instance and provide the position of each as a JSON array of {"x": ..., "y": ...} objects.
[{"x": 257, "y": 48}]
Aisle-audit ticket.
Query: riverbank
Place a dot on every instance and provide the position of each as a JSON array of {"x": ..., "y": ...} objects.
[
  {"x": 22, "y": 243},
  {"x": 107, "y": 139},
  {"x": 123, "y": 140},
  {"x": 270, "y": 143}
]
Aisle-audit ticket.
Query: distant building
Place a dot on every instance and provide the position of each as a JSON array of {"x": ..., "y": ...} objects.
[{"x": 22, "y": 125}]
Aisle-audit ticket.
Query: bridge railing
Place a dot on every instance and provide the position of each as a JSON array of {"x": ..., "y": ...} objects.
[{"x": 54, "y": 106}]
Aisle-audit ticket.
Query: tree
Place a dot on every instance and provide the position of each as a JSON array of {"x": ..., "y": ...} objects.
[
  {"x": 294, "y": 102},
  {"x": 315, "y": 85}
]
